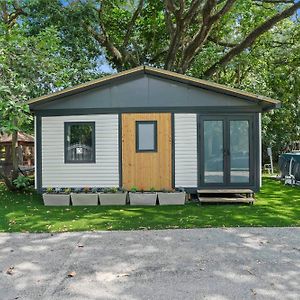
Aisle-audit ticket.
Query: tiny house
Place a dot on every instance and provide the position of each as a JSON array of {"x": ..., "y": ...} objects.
[{"x": 149, "y": 128}]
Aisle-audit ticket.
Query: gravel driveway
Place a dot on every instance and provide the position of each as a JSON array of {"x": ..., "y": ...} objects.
[{"x": 233, "y": 263}]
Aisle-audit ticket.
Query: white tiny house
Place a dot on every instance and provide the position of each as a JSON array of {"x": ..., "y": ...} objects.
[{"x": 149, "y": 128}]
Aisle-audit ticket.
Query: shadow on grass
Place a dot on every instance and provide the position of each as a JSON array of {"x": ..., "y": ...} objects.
[{"x": 277, "y": 205}]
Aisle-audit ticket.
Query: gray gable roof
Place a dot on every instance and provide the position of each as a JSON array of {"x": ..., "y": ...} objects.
[{"x": 152, "y": 87}]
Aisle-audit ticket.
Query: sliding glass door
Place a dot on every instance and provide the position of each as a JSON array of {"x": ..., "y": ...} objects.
[
  {"x": 213, "y": 151},
  {"x": 239, "y": 151},
  {"x": 224, "y": 146}
]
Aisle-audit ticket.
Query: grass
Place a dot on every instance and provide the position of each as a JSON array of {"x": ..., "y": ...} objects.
[{"x": 277, "y": 205}]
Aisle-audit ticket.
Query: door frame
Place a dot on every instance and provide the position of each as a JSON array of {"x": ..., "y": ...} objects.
[
  {"x": 172, "y": 142},
  {"x": 226, "y": 150}
]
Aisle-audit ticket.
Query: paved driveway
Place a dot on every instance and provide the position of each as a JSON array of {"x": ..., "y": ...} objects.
[{"x": 240, "y": 263}]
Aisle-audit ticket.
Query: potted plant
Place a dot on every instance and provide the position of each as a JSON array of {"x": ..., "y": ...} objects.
[
  {"x": 56, "y": 197},
  {"x": 141, "y": 197},
  {"x": 113, "y": 196},
  {"x": 174, "y": 197},
  {"x": 85, "y": 197}
]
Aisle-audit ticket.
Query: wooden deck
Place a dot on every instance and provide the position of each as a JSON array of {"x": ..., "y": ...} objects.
[
  {"x": 226, "y": 196},
  {"x": 249, "y": 200},
  {"x": 225, "y": 191}
]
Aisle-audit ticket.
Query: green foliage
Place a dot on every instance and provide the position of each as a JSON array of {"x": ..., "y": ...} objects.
[
  {"x": 133, "y": 189},
  {"x": 50, "y": 190},
  {"x": 276, "y": 205},
  {"x": 22, "y": 182},
  {"x": 67, "y": 190},
  {"x": 113, "y": 190},
  {"x": 94, "y": 190},
  {"x": 271, "y": 68},
  {"x": 86, "y": 189},
  {"x": 152, "y": 189}
]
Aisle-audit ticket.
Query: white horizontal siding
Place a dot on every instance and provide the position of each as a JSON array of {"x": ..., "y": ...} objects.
[
  {"x": 185, "y": 150},
  {"x": 103, "y": 173}
]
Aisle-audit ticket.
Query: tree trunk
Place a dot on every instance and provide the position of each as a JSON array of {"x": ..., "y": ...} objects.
[
  {"x": 14, "y": 156},
  {"x": 7, "y": 182}
]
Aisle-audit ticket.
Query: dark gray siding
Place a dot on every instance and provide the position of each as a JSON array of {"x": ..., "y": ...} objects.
[{"x": 148, "y": 92}]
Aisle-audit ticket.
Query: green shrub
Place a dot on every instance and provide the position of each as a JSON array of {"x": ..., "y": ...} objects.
[
  {"x": 86, "y": 189},
  {"x": 67, "y": 190},
  {"x": 50, "y": 190},
  {"x": 22, "y": 182},
  {"x": 134, "y": 189},
  {"x": 113, "y": 190}
]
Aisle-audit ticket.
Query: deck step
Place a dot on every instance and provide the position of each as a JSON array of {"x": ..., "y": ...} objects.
[
  {"x": 226, "y": 200},
  {"x": 225, "y": 191}
]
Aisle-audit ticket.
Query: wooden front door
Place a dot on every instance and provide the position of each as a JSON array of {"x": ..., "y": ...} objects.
[{"x": 147, "y": 151}]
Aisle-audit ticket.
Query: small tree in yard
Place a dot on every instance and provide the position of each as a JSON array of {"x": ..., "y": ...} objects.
[
  {"x": 31, "y": 64},
  {"x": 14, "y": 116}
]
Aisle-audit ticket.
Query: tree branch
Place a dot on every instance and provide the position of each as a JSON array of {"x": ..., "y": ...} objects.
[
  {"x": 105, "y": 40},
  {"x": 200, "y": 38},
  {"x": 252, "y": 37},
  {"x": 223, "y": 11},
  {"x": 189, "y": 15},
  {"x": 132, "y": 22},
  {"x": 10, "y": 19},
  {"x": 177, "y": 32}
]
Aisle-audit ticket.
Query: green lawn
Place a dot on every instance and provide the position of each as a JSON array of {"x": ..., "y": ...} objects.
[{"x": 277, "y": 205}]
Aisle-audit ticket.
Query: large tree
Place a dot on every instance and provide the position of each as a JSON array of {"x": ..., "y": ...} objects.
[
  {"x": 169, "y": 33},
  {"x": 272, "y": 68},
  {"x": 30, "y": 65}
]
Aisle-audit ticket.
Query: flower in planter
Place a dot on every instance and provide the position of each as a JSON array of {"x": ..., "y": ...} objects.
[
  {"x": 86, "y": 189},
  {"x": 49, "y": 190},
  {"x": 113, "y": 190},
  {"x": 134, "y": 189},
  {"x": 67, "y": 190},
  {"x": 77, "y": 190},
  {"x": 94, "y": 190},
  {"x": 152, "y": 189}
]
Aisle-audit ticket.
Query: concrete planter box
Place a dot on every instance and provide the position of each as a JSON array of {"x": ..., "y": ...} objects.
[
  {"x": 112, "y": 198},
  {"x": 56, "y": 199},
  {"x": 177, "y": 198},
  {"x": 82, "y": 199},
  {"x": 142, "y": 198}
]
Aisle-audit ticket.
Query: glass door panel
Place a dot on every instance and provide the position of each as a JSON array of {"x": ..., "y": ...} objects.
[
  {"x": 239, "y": 151},
  {"x": 213, "y": 151}
]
